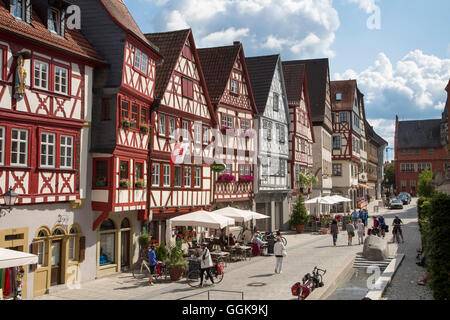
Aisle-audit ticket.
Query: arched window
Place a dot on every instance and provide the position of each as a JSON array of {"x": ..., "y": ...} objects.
[
  {"x": 125, "y": 224},
  {"x": 58, "y": 232},
  {"x": 42, "y": 233},
  {"x": 108, "y": 224},
  {"x": 73, "y": 230}
]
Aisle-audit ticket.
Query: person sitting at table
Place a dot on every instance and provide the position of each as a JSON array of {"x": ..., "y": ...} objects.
[
  {"x": 256, "y": 245},
  {"x": 232, "y": 239},
  {"x": 247, "y": 236}
]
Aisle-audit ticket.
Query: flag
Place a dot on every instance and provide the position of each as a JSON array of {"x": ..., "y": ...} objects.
[{"x": 179, "y": 153}]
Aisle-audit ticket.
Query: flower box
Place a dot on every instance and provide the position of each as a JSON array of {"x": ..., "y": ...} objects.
[
  {"x": 124, "y": 183},
  {"x": 144, "y": 128},
  {"x": 139, "y": 184},
  {"x": 246, "y": 178},
  {"x": 226, "y": 178},
  {"x": 101, "y": 182}
]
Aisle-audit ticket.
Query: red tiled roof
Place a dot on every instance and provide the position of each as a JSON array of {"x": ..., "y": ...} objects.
[
  {"x": 74, "y": 42},
  {"x": 119, "y": 12},
  {"x": 293, "y": 78},
  {"x": 347, "y": 88},
  {"x": 217, "y": 64},
  {"x": 170, "y": 45}
]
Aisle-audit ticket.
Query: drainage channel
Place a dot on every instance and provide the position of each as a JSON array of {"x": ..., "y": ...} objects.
[{"x": 356, "y": 286}]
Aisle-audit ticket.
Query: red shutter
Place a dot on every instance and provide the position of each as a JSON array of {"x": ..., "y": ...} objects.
[
  {"x": 82, "y": 249},
  {"x": 33, "y": 250},
  {"x": 188, "y": 88}
]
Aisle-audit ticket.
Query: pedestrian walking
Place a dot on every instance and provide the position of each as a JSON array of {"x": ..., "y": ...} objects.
[
  {"x": 382, "y": 226},
  {"x": 355, "y": 215},
  {"x": 365, "y": 217},
  {"x": 350, "y": 232},
  {"x": 334, "y": 230},
  {"x": 152, "y": 262},
  {"x": 205, "y": 264},
  {"x": 280, "y": 252},
  {"x": 361, "y": 229}
]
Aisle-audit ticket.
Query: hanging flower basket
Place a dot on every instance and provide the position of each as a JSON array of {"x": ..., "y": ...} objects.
[
  {"x": 124, "y": 183},
  {"x": 246, "y": 178},
  {"x": 226, "y": 178}
]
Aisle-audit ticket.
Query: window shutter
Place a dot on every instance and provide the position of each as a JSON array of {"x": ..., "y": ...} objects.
[
  {"x": 28, "y": 11},
  {"x": 82, "y": 249},
  {"x": 33, "y": 250},
  {"x": 63, "y": 22},
  {"x": 12, "y": 6}
]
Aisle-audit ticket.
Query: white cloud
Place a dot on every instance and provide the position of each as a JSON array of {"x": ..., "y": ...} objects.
[
  {"x": 367, "y": 5},
  {"x": 296, "y": 28},
  {"x": 412, "y": 88},
  {"x": 227, "y": 36},
  {"x": 440, "y": 106}
]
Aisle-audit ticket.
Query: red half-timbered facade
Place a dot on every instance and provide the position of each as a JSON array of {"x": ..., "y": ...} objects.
[
  {"x": 231, "y": 95},
  {"x": 301, "y": 132},
  {"x": 185, "y": 114}
]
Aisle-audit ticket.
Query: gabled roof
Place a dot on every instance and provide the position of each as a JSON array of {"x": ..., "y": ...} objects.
[
  {"x": 170, "y": 45},
  {"x": 347, "y": 88},
  {"x": 217, "y": 64},
  {"x": 73, "y": 42},
  {"x": 261, "y": 71},
  {"x": 120, "y": 14},
  {"x": 317, "y": 71},
  {"x": 293, "y": 78},
  {"x": 419, "y": 134},
  {"x": 373, "y": 136}
]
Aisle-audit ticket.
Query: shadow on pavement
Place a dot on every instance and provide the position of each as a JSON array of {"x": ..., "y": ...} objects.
[{"x": 263, "y": 275}]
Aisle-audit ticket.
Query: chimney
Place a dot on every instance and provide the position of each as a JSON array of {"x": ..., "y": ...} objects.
[{"x": 236, "y": 43}]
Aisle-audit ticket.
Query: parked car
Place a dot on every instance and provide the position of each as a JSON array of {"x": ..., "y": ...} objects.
[
  {"x": 396, "y": 204},
  {"x": 404, "y": 198},
  {"x": 406, "y": 194}
]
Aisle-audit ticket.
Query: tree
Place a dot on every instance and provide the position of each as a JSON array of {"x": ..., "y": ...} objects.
[
  {"x": 299, "y": 215},
  {"x": 389, "y": 176},
  {"x": 424, "y": 189}
]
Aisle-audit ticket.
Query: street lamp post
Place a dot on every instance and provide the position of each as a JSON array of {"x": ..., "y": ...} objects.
[{"x": 10, "y": 198}]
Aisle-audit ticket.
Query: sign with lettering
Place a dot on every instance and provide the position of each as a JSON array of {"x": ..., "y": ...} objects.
[{"x": 218, "y": 167}]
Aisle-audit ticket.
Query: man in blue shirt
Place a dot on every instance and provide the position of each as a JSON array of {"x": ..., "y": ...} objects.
[
  {"x": 365, "y": 217},
  {"x": 355, "y": 215},
  {"x": 152, "y": 263}
]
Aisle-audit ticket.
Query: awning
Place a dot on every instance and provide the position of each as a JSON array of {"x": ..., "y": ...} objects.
[
  {"x": 202, "y": 218},
  {"x": 12, "y": 258}
]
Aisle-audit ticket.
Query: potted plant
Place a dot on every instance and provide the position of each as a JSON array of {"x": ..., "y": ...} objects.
[
  {"x": 246, "y": 178},
  {"x": 161, "y": 253},
  {"x": 139, "y": 184},
  {"x": 325, "y": 222},
  {"x": 176, "y": 265},
  {"x": 299, "y": 217},
  {"x": 124, "y": 183},
  {"x": 227, "y": 178},
  {"x": 126, "y": 123},
  {"x": 306, "y": 181},
  {"x": 144, "y": 240},
  {"x": 145, "y": 128}
]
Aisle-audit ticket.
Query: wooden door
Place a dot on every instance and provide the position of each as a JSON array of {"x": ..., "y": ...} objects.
[
  {"x": 56, "y": 263},
  {"x": 125, "y": 250}
]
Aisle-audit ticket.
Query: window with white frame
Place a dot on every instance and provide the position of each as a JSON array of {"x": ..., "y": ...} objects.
[
  {"x": 61, "y": 80},
  {"x": 54, "y": 20},
  {"x": 137, "y": 59},
  {"x": 155, "y": 174},
  {"x": 343, "y": 117},
  {"x": 205, "y": 135},
  {"x": 167, "y": 174},
  {"x": 19, "y": 8},
  {"x": 186, "y": 129},
  {"x": 247, "y": 170},
  {"x": 198, "y": 177},
  {"x": 162, "y": 125},
  {"x": 66, "y": 152},
  {"x": 198, "y": 133},
  {"x": 41, "y": 253},
  {"x": 144, "y": 63},
  {"x": 241, "y": 170},
  {"x": 47, "y": 150},
  {"x": 245, "y": 124},
  {"x": 72, "y": 248},
  {"x": 177, "y": 182},
  {"x": 337, "y": 143},
  {"x": 338, "y": 96},
  {"x": 187, "y": 176},
  {"x": 2, "y": 145},
  {"x": 227, "y": 122},
  {"x": 228, "y": 169},
  {"x": 40, "y": 75},
  {"x": 234, "y": 86},
  {"x": 268, "y": 129},
  {"x": 172, "y": 127},
  {"x": 19, "y": 147}
]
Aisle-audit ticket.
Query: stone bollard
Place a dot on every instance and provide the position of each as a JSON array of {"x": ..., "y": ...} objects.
[{"x": 375, "y": 249}]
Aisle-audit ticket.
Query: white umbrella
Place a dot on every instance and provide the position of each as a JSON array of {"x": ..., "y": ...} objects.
[
  {"x": 257, "y": 216},
  {"x": 236, "y": 214},
  {"x": 320, "y": 200},
  {"x": 202, "y": 219},
  {"x": 341, "y": 199},
  {"x": 12, "y": 258}
]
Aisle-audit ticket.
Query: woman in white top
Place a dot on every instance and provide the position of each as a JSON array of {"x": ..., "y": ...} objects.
[
  {"x": 361, "y": 229},
  {"x": 280, "y": 253}
]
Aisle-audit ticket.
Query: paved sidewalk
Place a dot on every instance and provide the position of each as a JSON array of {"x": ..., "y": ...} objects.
[
  {"x": 404, "y": 284},
  {"x": 254, "y": 277}
]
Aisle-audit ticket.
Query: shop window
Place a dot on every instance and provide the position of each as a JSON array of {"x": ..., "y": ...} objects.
[
  {"x": 107, "y": 243},
  {"x": 101, "y": 173}
]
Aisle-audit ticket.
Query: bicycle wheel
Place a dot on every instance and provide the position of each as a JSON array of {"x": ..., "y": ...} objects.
[
  {"x": 193, "y": 278},
  {"x": 284, "y": 240},
  {"x": 140, "y": 271}
]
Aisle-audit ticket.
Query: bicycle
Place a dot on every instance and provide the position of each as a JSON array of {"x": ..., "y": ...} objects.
[
  {"x": 217, "y": 273},
  {"x": 309, "y": 284},
  {"x": 141, "y": 270},
  {"x": 278, "y": 234},
  {"x": 396, "y": 234}
]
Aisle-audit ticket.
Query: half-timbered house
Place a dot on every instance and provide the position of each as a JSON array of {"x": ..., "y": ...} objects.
[
  {"x": 46, "y": 77},
  {"x": 273, "y": 182},
  {"x": 186, "y": 115},
  {"x": 365, "y": 190},
  {"x": 123, "y": 99},
  {"x": 346, "y": 139},
  {"x": 301, "y": 130},
  {"x": 231, "y": 94}
]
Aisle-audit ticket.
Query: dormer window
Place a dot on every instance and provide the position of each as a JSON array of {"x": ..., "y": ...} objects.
[
  {"x": 21, "y": 9},
  {"x": 54, "y": 20},
  {"x": 338, "y": 96}
]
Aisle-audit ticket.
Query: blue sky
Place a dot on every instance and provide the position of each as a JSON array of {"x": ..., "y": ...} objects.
[{"x": 402, "y": 68}]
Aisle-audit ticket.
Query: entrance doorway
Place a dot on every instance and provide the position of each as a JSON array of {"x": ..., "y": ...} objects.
[
  {"x": 56, "y": 263},
  {"x": 125, "y": 250}
]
